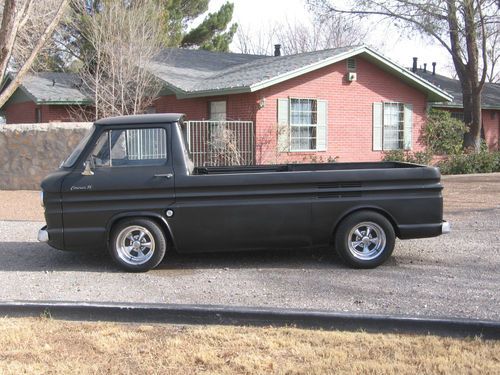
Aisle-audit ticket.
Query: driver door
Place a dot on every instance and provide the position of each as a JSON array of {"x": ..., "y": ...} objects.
[{"x": 132, "y": 172}]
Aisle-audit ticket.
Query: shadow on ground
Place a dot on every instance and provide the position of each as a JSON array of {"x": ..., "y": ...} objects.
[{"x": 33, "y": 257}]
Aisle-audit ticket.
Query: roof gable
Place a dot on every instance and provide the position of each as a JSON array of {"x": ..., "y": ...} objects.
[{"x": 192, "y": 73}]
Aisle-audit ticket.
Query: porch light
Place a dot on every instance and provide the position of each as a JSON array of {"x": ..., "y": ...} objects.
[{"x": 262, "y": 103}]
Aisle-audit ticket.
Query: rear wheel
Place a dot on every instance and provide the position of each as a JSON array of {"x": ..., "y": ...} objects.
[
  {"x": 137, "y": 244},
  {"x": 365, "y": 239}
]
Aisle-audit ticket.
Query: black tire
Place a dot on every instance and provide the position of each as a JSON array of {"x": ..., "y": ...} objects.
[
  {"x": 371, "y": 250},
  {"x": 143, "y": 253}
]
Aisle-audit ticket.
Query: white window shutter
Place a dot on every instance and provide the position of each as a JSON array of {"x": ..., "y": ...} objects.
[
  {"x": 322, "y": 126},
  {"x": 377, "y": 126},
  {"x": 283, "y": 126},
  {"x": 408, "y": 126}
]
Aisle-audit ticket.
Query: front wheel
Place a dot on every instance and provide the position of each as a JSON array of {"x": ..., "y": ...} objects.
[
  {"x": 365, "y": 239},
  {"x": 137, "y": 244}
]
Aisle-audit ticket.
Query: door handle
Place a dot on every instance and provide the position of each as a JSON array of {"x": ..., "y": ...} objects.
[{"x": 166, "y": 175}]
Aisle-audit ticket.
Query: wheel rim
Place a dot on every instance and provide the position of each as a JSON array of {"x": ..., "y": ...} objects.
[
  {"x": 366, "y": 241},
  {"x": 135, "y": 245}
]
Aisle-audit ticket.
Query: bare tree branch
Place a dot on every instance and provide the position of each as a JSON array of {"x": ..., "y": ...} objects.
[{"x": 35, "y": 37}]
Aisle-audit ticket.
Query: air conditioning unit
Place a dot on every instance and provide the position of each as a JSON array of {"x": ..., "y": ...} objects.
[{"x": 351, "y": 76}]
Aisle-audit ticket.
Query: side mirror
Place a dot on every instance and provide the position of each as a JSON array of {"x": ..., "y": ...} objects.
[{"x": 88, "y": 169}]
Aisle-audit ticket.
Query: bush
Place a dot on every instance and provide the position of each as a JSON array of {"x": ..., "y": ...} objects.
[
  {"x": 419, "y": 157},
  {"x": 482, "y": 162},
  {"x": 443, "y": 135}
]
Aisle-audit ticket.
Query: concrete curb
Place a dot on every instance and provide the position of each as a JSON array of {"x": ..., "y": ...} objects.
[{"x": 228, "y": 315}]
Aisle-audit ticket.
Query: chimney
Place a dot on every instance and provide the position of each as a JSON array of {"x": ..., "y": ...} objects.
[
  {"x": 414, "y": 69},
  {"x": 277, "y": 50},
  {"x": 425, "y": 67},
  {"x": 433, "y": 68}
]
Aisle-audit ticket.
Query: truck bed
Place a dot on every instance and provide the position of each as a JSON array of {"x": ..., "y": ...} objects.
[{"x": 303, "y": 167}]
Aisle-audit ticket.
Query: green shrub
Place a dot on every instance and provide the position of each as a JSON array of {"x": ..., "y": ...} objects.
[
  {"x": 443, "y": 135},
  {"x": 481, "y": 162},
  {"x": 419, "y": 157}
]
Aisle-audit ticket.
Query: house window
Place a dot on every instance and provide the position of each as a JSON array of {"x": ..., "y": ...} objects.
[
  {"x": 218, "y": 111},
  {"x": 38, "y": 115},
  {"x": 458, "y": 116},
  {"x": 393, "y": 126},
  {"x": 351, "y": 64},
  {"x": 303, "y": 122}
]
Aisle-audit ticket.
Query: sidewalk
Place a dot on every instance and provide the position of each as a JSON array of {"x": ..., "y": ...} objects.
[{"x": 20, "y": 205}]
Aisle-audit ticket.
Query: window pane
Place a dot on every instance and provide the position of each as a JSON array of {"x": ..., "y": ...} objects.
[
  {"x": 131, "y": 147},
  {"x": 393, "y": 126},
  {"x": 303, "y": 120},
  {"x": 100, "y": 154}
]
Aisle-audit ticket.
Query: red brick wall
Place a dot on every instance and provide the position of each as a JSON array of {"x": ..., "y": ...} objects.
[
  {"x": 56, "y": 113},
  {"x": 20, "y": 113},
  {"x": 238, "y": 107},
  {"x": 491, "y": 127},
  {"x": 349, "y": 111}
]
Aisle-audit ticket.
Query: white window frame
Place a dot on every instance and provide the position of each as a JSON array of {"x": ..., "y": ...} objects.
[
  {"x": 401, "y": 131},
  {"x": 218, "y": 115},
  {"x": 299, "y": 126}
]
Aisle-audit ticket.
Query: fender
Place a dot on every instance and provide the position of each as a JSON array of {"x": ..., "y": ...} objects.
[
  {"x": 369, "y": 208},
  {"x": 145, "y": 214}
]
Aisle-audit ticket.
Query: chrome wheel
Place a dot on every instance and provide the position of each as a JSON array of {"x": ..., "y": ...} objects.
[
  {"x": 135, "y": 245},
  {"x": 366, "y": 240}
]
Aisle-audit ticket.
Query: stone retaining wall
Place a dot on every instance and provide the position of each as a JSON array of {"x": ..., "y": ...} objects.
[{"x": 28, "y": 152}]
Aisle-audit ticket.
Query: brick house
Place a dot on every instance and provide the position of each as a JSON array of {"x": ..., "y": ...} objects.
[
  {"x": 45, "y": 97},
  {"x": 490, "y": 102},
  {"x": 346, "y": 103}
]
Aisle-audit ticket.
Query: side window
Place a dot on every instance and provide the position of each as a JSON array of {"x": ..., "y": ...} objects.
[{"x": 131, "y": 147}]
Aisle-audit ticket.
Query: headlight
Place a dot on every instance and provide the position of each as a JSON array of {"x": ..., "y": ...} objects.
[{"x": 41, "y": 198}]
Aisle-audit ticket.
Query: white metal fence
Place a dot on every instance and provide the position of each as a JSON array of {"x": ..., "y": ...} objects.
[
  {"x": 221, "y": 143},
  {"x": 146, "y": 144}
]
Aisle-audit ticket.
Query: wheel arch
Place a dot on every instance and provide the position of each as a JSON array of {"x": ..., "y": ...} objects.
[
  {"x": 376, "y": 209},
  {"x": 159, "y": 219}
]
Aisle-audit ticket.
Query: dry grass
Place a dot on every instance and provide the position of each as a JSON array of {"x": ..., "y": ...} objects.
[{"x": 48, "y": 346}]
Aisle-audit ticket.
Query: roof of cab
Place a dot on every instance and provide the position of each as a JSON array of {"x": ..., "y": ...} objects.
[{"x": 157, "y": 118}]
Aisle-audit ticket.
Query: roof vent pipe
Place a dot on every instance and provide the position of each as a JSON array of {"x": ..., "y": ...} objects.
[
  {"x": 414, "y": 69},
  {"x": 425, "y": 67},
  {"x": 433, "y": 68},
  {"x": 277, "y": 50}
]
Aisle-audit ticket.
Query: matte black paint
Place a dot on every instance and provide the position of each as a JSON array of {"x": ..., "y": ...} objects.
[{"x": 234, "y": 208}]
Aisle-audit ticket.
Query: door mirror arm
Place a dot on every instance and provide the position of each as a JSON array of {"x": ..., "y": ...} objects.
[{"x": 87, "y": 169}]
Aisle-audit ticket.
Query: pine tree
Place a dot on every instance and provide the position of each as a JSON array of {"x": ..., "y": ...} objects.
[{"x": 211, "y": 34}]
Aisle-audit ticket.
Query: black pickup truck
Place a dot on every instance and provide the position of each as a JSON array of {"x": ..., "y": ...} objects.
[{"x": 130, "y": 187}]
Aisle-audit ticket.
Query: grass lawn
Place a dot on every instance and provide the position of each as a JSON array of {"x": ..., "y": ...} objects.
[{"x": 42, "y": 345}]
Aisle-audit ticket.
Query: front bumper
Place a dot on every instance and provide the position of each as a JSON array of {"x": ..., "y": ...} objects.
[
  {"x": 445, "y": 227},
  {"x": 43, "y": 235}
]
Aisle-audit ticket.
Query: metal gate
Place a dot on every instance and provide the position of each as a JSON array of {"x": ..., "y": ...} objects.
[{"x": 221, "y": 143}]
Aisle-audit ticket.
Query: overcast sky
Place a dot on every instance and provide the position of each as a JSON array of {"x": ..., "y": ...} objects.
[{"x": 255, "y": 14}]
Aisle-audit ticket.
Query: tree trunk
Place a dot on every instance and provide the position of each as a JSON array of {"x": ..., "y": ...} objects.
[{"x": 476, "y": 124}]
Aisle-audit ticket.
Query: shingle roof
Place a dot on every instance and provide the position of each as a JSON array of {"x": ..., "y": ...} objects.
[
  {"x": 490, "y": 96},
  {"x": 203, "y": 73},
  {"x": 200, "y": 71},
  {"x": 192, "y": 73},
  {"x": 54, "y": 87}
]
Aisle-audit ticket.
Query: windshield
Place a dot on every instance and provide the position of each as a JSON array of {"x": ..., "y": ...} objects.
[{"x": 78, "y": 149}]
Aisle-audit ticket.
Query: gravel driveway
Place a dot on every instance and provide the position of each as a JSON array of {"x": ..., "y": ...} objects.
[{"x": 454, "y": 275}]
